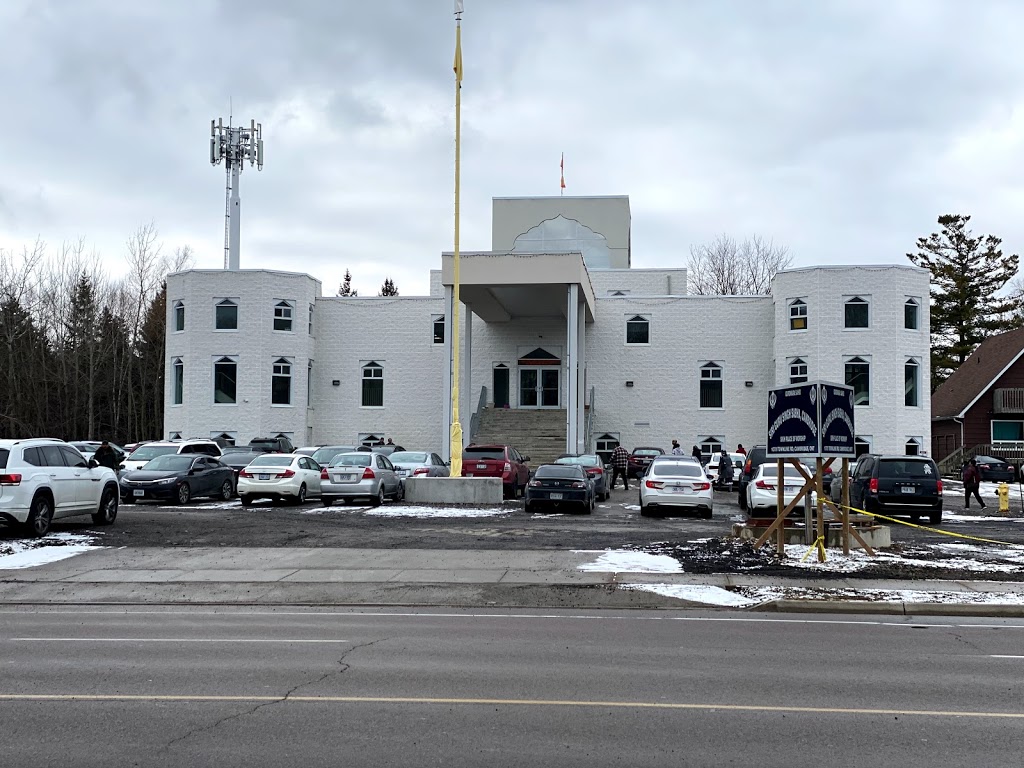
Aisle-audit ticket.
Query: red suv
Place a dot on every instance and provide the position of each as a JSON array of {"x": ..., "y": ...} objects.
[
  {"x": 641, "y": 459},
  {"x": 502, "y": 461}
]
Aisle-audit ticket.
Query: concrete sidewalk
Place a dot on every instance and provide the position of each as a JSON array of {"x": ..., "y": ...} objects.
[{"x": 334, "y": 576}]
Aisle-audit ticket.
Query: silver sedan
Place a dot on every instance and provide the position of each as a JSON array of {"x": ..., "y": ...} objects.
[
  {"x": 418, "y": 464},
  {"x": 360, "y": 476}
]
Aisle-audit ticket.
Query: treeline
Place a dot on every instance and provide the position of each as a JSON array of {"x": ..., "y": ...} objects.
[{"x": 81, "y": 354}]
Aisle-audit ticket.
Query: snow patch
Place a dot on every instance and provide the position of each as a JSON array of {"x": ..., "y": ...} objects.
[
  {"x": 29, "y": 553},
  {"x": 697, "y": 593},
  {"x": 624, "y": 561},
  {"x": 411, "y": 511}
]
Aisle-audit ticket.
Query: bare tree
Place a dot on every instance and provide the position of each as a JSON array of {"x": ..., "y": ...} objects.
[{"x": 727, "y": 267}]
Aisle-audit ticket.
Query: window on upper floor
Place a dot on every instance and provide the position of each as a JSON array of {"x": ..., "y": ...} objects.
[
  {"x": 797, "y": 370},
  {"x": 283, "y": 316},
  {"x": 309, "y": 384},
  {"x": 438, "y": 322},
  {"x": 373, "y": 385},
  {"x": 310, "y": 320},
  {"x": 178, "y": 379},
  {"x": 226, "y": 315},
  {"x": 638, "y": 330},
  {"x": 225, "y": 381},
  {"x": 281, "y": 382},
  {"x": 798, "y": 315},
  {"x": 911, "y": 314},
  {"x": 911, "y": 383},
  {"x": 711, "y": 385},
  {"x": 179, "y": 316},
  {"x": 858, "y": 376},
  {"x": 856, "y": 313}
]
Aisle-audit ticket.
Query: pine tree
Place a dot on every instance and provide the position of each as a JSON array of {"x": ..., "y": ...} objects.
[
  {"x": 388, "y": 289},
  {"x": 966, "y": 273},
  {"x": 346, "y": 286}
]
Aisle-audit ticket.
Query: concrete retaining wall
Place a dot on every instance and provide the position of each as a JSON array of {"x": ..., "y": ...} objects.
[{"x": 453, "y": 490}]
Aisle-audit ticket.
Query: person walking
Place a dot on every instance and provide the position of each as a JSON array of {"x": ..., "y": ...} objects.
[
  {"x": 725, "y": 469},
  {"x": 697, "y": 455},
  {"x": 677, "y": 450},
  {"x": 741, "y": 450},
  {"x": 107, "y": 457},
  {"x": 972, "y": 479},
  {"x": 620, "y": 466}
]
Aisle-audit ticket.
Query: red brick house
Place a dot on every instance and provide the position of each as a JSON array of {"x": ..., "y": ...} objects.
[{"x": 982, "y": 404}]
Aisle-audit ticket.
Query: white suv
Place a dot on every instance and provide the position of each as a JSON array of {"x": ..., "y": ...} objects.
[
  {"x": 149, "y": 451},
  {"x": 44, "y": 479}
]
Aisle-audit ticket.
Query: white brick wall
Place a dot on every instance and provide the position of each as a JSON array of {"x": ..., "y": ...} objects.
[{"x": 639, "y": 282}]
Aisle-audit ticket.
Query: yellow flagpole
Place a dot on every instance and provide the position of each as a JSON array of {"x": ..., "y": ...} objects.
[{"x": 456, "y": 426}]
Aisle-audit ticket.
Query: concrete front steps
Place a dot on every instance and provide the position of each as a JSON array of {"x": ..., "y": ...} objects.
[{"x": 539, "y": 434}]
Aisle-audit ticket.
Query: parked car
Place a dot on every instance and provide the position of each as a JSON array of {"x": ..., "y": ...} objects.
[
  {"x": 325, "y": 453},
  {"x": 360, "y": 475},
  {"x": 502, "y": 461},
  {"x": 897, "y": 486},
  {"x": 387, "y": 450},
  {"x": 711, "y": 470},
  {"x": 755, "y": 458},
  {"x": 279, "y": 477},
  {"x": 272, "y": 444},
  {"x": 146, "y": 452},
  {"x": 593, "y": 465},
  {"x": 42, "y": 480},
  {"x": 307, "y": 450},
  {"x": 995, "y": 469},
  {"x": 676, "y": 483},
  {"x": 418, "y": 464},
  {"x": 560, "y": 485},
  {"x": 640, "y": 459},
  {"x": 239, "y": 458},
  {"x": 179, "y": 478},
  {"x": 762, "y": 490},
  {"x": 88, "y": 447}
]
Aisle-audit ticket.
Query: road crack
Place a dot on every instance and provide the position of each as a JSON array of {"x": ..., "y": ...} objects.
[{"x": 343, "y": 667}]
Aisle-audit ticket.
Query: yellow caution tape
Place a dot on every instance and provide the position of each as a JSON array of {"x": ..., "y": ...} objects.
[
  {"x": 819, "y": 545},
  {"x": 928, "y": 528}
]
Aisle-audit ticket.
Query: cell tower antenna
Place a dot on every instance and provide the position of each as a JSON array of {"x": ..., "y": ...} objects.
[{"x": 233, "y": 146}]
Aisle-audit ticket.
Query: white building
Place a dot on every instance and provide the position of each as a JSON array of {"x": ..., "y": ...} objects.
[{"x": 564, "y": 347}]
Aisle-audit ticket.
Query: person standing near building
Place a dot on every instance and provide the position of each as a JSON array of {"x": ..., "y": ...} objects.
[
  {"x": 677, "y": 449},
  {"x": 620, "y": 466},
  {"x": 725, "y": 469},
  {"x": 696, "y": 454},
  {"x": 741, "y": 450},
  {"x": 972, "y": 479}
]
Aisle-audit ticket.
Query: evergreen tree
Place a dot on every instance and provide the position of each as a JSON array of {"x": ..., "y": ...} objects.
[
  {"x": 388, "y": 289},
  {"x": 966, "y": 274},
  {"x": 346, "y": 286}
]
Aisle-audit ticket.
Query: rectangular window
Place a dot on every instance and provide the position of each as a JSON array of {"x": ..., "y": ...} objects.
[
  {"x": 861, "y": 445},
  {"x": 913, "y": 446},
  {"x": 856, "y": 313},
  {"x": 638, "y": 330},
  {"x": 373, "y": 385},
  {"x": 309, "y": 384},
  {"x": 179, "y": 382},
  {"x": 798, "y": 315},
  {"x": 224, "y": 438},
  {"x": 797, "y": 371},
  {"x": 858, "y": 376},
  {"x": 910, "y": 315},
  {"x": 438, "y": 321},
  {"x": 710, "y": 445},
  {"x": 179, "y": 316},
  {"x": 283, "y": 316},
  {"x": 226, "y": 316},
  {"x": 711, "y": 386},
  {"x": 225, "y": 381},
  {"x": 281, "y": 383},
  {"x": 605, "y": 444},
  {"x": 911, "y": 384},
  {"x": 310, "y": 319},
  {"x": 1007, "y": 431}
]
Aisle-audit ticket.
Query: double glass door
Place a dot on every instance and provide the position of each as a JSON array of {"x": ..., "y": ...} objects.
[{"x": 538, "y": 388}]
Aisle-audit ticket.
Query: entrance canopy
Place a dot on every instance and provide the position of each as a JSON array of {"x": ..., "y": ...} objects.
[{"x": 499, "y": 286}]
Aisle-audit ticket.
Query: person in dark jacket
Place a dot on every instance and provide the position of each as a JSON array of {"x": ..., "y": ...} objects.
[
  {"x": 725, "y": 469},
  {"x": 620, "y": 466},
  {"x": 697, "y": 454},
  {"x": 107, "y": 457},
  {"x": 972, "y": 479}
]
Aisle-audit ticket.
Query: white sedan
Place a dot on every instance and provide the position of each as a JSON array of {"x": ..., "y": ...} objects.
[
  {"x": 279, "y": 476},
  {"x": 762, "y": 491},
  {"x": 675, "y": 483},
  {"x": 737, "y": 467}
]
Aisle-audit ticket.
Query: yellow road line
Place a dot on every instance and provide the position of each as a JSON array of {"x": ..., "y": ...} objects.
[{"x": 707, "y": 707}]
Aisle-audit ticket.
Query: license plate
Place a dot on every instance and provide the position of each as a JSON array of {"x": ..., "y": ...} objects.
[
  {"x": 264, "y": 477},
  {"x": 139, "y": 492},
  {"x": 555, "y": 496},
  {"x": 906, "y": 489},
  {"x": 792, "y": 489},
  {"x": 680, "y": 489},
  {"x": 481, "y": 466}
]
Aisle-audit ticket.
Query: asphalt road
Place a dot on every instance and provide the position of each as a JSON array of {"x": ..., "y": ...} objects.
[
  {"x": 205, "y": 523},
  {"x": 254, "y": 688}
]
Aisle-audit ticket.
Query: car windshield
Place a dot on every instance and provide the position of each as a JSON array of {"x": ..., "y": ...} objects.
[
  {"x": 328, "y": 452},
  {"x": 351, "y": 460},
  {"x": 149, "y": 452},
  {"x": 583, "y": 461},
  {"x": 557, "y": 471},
  {"x": 169, "y": 463},
  {"x": 272, "y": 461},
  {"x": 240, "y": 457},
  {"x": 676, "y": 469},
  {"x": 410, "y": 457},
  {"x": 4, "y": 453},
  {"x": 647, "y": 452},
  {"x": 476, "y": 454},
  {"x": 899, "y": 468}
]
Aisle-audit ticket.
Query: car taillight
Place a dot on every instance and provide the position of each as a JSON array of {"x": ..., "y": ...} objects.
[
  {"x": 245, "y": 473},
  {"x": 595, "y": 471},
  {"x": 10, "y": 479},
  {"x": 764, "y": 486},
  {"x": 940, "y": 486},
  {"x": 534, "y": 483},
  {"x": 420, "y": 471},
  {"x": 368, "y": 474},
  {"x": 579, "y": 484},
  {"x": 873, "y": 485},
  {"x": 323, "y": 474},
  {"x": 701, "y": 486},
  {"x": 288, "y": 473},
  {"x": 746, "y": 468},
  {"x": 507, "y": 467},
  {"x": 654, "y": 484}
]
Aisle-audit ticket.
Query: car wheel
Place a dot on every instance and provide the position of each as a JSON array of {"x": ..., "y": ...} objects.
[
  {"x": 301, "y": 498},
  {"x": 246, "y": 501},
  {"x": 326, "y": 501},
  {"x": 379, "y": 498},
  {"x": 589, "y": 508},
  {"x": 706, "y": 514},
  {"x": 40, "y": 516},
  {"x": 644, "y": 510},
  {"x": 915, "y": 518},
  {"x": 184, "y": 494},
  {"x": 935, "y": 517},
  {"x": 226, "y": 490},
  {"x": 107, "y": 512},
  {"x": 400, "y": 493},
  {"x": 743, "y": 500}
]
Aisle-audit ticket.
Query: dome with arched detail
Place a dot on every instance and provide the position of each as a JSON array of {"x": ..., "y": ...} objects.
[{"x": 562, "y": 235}]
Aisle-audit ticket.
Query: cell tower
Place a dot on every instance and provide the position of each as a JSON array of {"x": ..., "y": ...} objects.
[{"x": 234, "y": 146}]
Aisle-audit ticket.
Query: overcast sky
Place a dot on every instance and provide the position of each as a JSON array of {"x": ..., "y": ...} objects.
[{"x": 839, "y": 129}]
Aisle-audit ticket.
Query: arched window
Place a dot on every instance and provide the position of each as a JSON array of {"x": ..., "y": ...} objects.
[
  {"x": 711, "y": 385},
  {"x": 225, "y": 381},
  {"x": 283, "y": 316},
  {"x": 226, "y": 316},
  {"x": 858, "y": 376},
  {"x": 179, "y": 316},
  {"x": 797, "y": 370},
  {"x": 913, "y": 447},
  {"x": 178, "y": 378},
  {"x": 911, "y": 313},
  {"x": 373, "y": 385},
  {"x": 798, "y": 315},
  {"x": 911, "y": 383},
  {"x": 281, "y": 382},
  {"x": 856, "y": 313},
  {"x": 638, "y": 330}
]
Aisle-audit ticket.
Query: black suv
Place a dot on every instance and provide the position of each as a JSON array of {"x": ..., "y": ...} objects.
[
  {"x": 271, "y": 444},
  {"x": 755, "y": 458},
  {"x": 897, "y": 486}
]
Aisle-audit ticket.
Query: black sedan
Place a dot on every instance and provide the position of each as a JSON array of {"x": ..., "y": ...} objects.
[
  {"x": 240, "y": 458},
  {"x": 997, "y": 470},
  {"x": 178, "y": 478},
  {"x": 558, "y": 485}
]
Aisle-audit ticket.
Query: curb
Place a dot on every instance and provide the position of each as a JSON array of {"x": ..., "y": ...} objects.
[{"x": 894, "y": 608}]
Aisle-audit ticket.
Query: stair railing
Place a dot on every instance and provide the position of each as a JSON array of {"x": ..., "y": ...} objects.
[{"x": 474, "y": 420}]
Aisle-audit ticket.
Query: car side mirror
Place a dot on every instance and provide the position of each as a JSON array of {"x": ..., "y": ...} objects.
[
  {"x": 120, "y": 466},
  {"x": 93, "y": 463},
  {"x": 526, "y": 458},
  {"x": 192, "y": 471}
]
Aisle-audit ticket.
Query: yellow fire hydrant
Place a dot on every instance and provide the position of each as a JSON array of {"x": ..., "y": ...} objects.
[{"x": 1003, "y": 491}]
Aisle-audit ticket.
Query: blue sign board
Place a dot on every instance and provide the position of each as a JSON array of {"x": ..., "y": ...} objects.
[{"x": 812, "y": 419}]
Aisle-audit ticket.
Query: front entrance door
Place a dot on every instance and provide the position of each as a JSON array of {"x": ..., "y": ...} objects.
[
  {"x": 539, "y": 388},
  {"x": 501, "y": 387}
]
